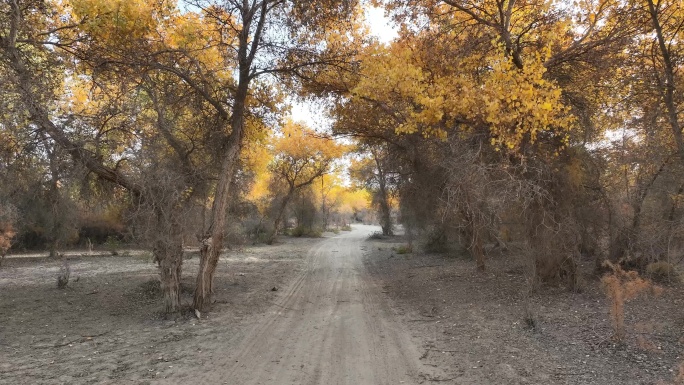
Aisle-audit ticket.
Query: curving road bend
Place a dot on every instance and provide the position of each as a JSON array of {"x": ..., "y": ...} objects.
[{"x": 331, "y": 326}]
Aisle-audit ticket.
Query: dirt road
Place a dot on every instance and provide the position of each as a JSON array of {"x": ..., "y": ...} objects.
[
  {"x": 332, "y": 325},
  {"x": 330, "y": 322}
]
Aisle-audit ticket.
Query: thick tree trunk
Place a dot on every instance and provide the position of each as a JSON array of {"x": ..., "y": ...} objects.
[
  {"x": 168, "y": 253},
  {"x": 386, "y": 221},
  {"x": 474, "y": 233},
  {"x": 212, "y": 241},
  {"x": 56, "y": 228},
  {"x": 477, "y": 249},
  {"x": 385, "y": 211},
  {"x": 169, "y": 256}
]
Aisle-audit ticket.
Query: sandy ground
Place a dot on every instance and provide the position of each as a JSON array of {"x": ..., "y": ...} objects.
[
  {"x": 105, "y": 328},
  {"x": 346, "y": 310},
  {"x": 331, "y": 326},
  {"x": 472, "y": 325}
]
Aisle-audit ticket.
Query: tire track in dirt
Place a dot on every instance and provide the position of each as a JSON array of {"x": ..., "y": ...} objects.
[{"x": 331, "y": 327}]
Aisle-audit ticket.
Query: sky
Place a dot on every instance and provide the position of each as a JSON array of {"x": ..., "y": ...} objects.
[{"x": 380, "y": 27}]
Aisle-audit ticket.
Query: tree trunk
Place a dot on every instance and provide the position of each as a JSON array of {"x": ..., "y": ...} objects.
[
  {"x": 385, "y": 211},
  {"x": 212, "y": 241},
  {"x": 668, "y": 87},
  {"x": 477, "y": 249},
  {"x": 626, "y": 236},
  {"x": 386, "y": 216},
  {"x": 169, "y": 256},
  {"x": 168, "y": 253},
  {"x": 279, "y": 217}
]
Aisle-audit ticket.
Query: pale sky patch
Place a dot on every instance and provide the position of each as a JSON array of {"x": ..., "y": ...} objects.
[{"x": 380, "y": 25}]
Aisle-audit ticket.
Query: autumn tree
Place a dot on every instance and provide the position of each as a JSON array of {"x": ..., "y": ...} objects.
[
  {"x": 496, "y": 79},
  {"x": 643, "y": 155},
  {"x": 374, "y": 173},
  {"x": 328, "y": 191},
  {"x": 301, "y": 157},
  {"x": 665, "y": 17},
  {"x": 354, "y": 206},
  {"x": 134, "y": 51},
  {"x": 136, "y": 129},
  {"x": 270, "y": 38}
]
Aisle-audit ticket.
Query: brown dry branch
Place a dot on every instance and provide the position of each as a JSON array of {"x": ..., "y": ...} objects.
[{"x": 621, "y": 286}]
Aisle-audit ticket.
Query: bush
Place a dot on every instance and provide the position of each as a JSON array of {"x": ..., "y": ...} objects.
[
  {"x": 346, "y": 227},
  {"x": 404, "y": 249},
  {"x": 662, "y": 272},
  {"x": 99, "y": 230},
  {"x": 301, "y": 231},
  {"x": 376, "y": 235},
  {"x": 63, "y": 275},
  {"x": 437, "y": 241},
  {"x": 113, "y": 244}
]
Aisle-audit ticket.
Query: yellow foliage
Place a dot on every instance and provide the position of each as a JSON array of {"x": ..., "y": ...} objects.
[
  {"x": 354, "y": 200},
  {"x": 515, "y": 104},
  {"x": 116, "y": 20},
  {"x": 299, "y": 141}
]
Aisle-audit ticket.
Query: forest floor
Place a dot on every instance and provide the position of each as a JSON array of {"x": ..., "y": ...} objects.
[
  {"x": 106, "y": 326},
  {"x": 474, "y": 325},
  {"x": 346, "y": 310}
]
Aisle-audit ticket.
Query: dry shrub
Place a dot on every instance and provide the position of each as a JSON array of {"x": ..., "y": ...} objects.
[
  {"x": 63, "y": 275},
  {"x": 8, "y": 216},
  {"x": 7, "y": 233},
  {"x": 662, "y": 271},
  {"x": 404, "y": 249},
  {"x": 622, "y": 286},
  {"x": 554, "y": 268},
  {"x": 552, "y": 249}
]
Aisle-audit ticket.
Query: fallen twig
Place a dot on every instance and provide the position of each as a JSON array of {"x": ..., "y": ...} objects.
[
  {"x": 417, "y": 267},
  {"x": 77, "y": 340},
  {"x": 284, "y": 307}
]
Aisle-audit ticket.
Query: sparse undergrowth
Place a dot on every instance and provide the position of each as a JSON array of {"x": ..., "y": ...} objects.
[
  {"x": 662, "y": 272},
  {"x": 494, "y": 330},
  {"x": 301, "y": 231},
  {"x": 404, "y": 249}
]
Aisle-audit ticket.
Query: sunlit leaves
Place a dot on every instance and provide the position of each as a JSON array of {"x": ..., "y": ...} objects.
[
  {"x": 516, "y": 105},
  {"x": 301, "y": 155}
]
